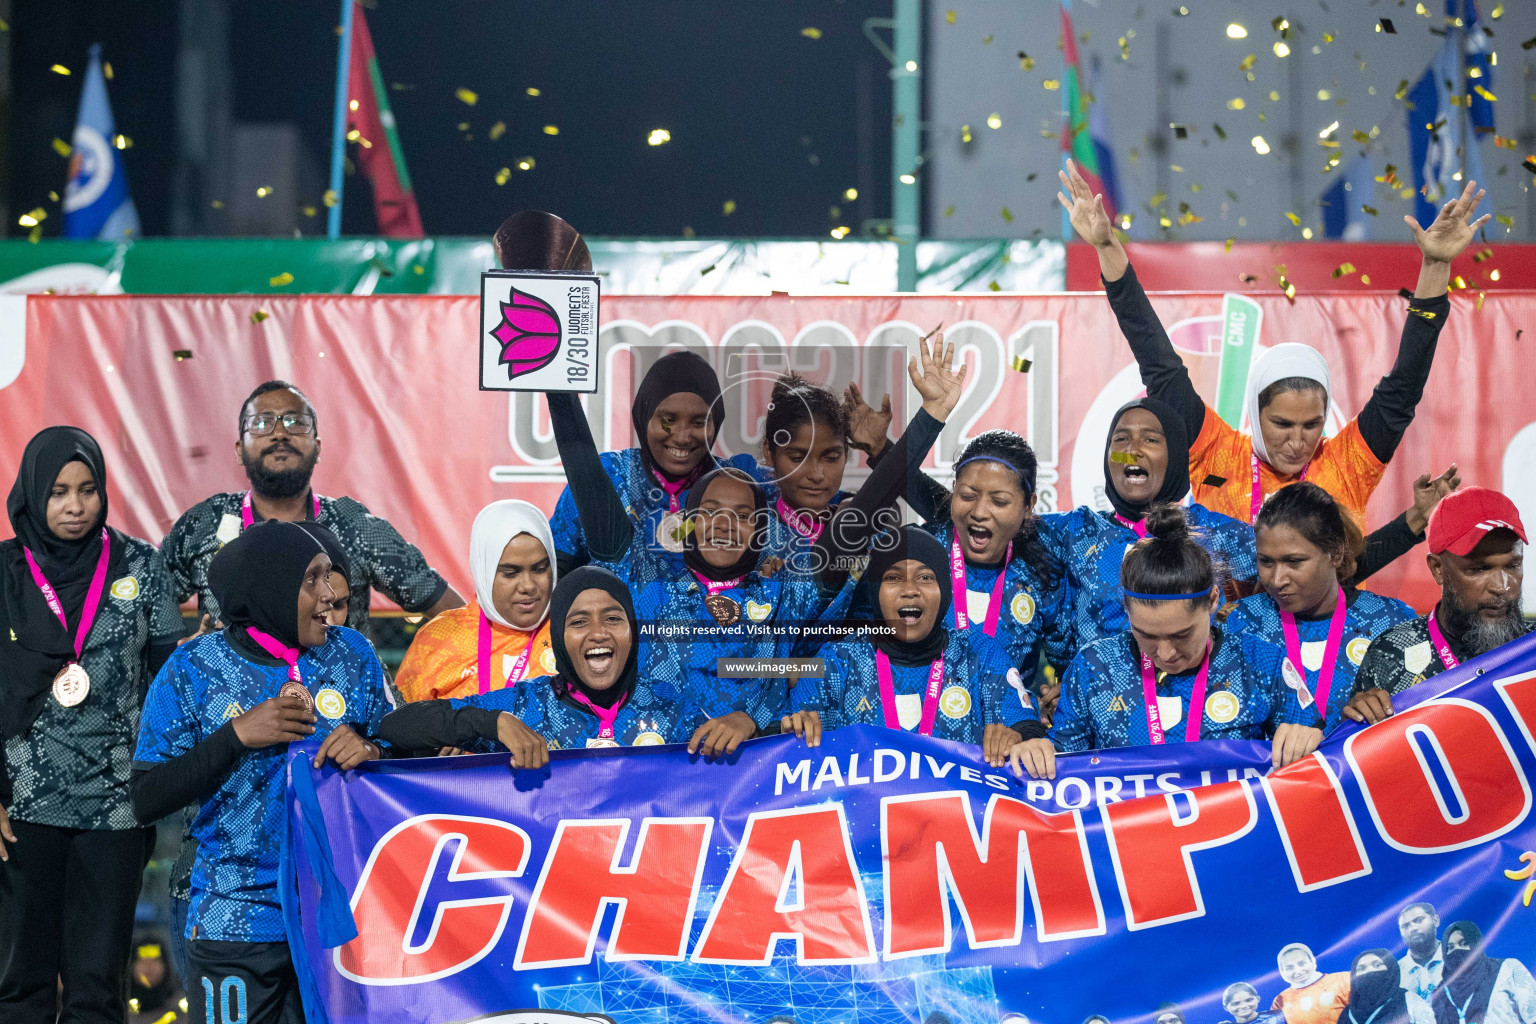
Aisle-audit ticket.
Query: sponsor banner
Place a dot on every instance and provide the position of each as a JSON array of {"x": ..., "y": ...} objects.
[
  {"x": 888, "y": 877},
  {"x": 159, "y": 382}
]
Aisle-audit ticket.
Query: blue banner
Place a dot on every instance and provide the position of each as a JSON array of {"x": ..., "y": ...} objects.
[{"x": 885, "y": 877}]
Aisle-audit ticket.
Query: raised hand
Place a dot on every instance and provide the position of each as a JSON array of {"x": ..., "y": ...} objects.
[
  {"x": 1089, "y": 218},
  {"x": 939, "y": 385},
  {"x": 1427, "y": 492},
  {"x": 867, "y": 427},
  {"x": 1451, "y": 232}
]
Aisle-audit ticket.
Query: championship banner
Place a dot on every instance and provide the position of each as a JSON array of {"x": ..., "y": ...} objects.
[
  {"x": 158, "y": 380},
  {"x": 887, "y": 877}
]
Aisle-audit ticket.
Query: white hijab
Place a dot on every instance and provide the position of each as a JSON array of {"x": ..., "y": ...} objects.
[
  {"x": 494, "y": 527},
  {"x": 1276, "y": 364}
]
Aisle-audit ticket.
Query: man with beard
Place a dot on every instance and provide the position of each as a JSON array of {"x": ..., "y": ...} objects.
[
  {"x": 279, "y": 444},
  {"x": 1421, "y": 969},
  {"x": 1476, "y": 554}
]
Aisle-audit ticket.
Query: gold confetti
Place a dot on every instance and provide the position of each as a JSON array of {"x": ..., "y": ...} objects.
[
  {"x": 106, "y": 69},
  {"x": 908, "y": 179},
  {"x": 1530, "y": 164},
  {"x": 1493, "y": 275},
  {"x": 1026, "y": 62},
  {"x": 1228, "y": 247},
  {"x": 217, "y": 204},
  {"x": 35, "y": 235},
  {"x": 1360, "y": 136},
  {"x": 551, "y": 129},
  {"x": 1327, "y": 37},
  {"x": 1342, "y": 270},
  {"x": 1295, "y": 220},
  {"x": 985, "y": 40},
  {"x": 329, "y": 198},
  {"x": 1051, "y": 84},
  {"x": 1402, "y": 90},
  {"x": 525, "y": 164},
  {"x": 994, "y": 286},
  {"x": 994, "y": 121},
  {"x": 28, "y": 220},
  {"x": 1236, "y": 31},
  {"x": 308, "y": 211},
  {"x": 280, "y": 280},
  {"x": 503, "y": 176},
  {"x": 263, "y": 191},
  {"x": 1282, "y": 50},
  {"x": 1248, "y": 62},
  {"x": 1259, "y": 145},
  {"x": 1459, "y": 282},
  {"x": 122, "y": 141},
  {"x": 1368, "y": 209},
  {"x": 1236, "y": 103},
  {"x": 1485, "y": 94},
  {"x": 658, "y": 136},
  {"x": 463, "y": 126},
  {"x": 965, "y": 133},
  {"x": 467, "y": 96},
  {"x": 811, "y": 32},
  {"x": 840, "y": 232},
  {"x": 60, "y": 69},
  {"x": 498, "y": 130},
  {"x": 1479, "y": 257},
  {"x": 949, "y": 17},
  {"x": 258, "y": 316},
  {"x": 1126, "y": 219},
  {"x": 949, "y": 211},
  {"x": 1021, "y": 364},
  {"x": 1124, "y": 458},
  {"x": 1503, "y": 143},
  {"x": 850, "y": 194},
  {"x": 1497, "y": 12},
  {"x": 728, "y": 207},
  {"x": 1158, "y": 199},
  {"x": 181, "y": 355},
  {"x": 1365, "y": 279},
  {"x": 62, "y": 148},
  {"x": 1007, "y": 215}
]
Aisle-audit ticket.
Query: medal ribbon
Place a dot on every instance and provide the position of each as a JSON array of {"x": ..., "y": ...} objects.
[
  {"x": 713, "y": 587},
  {"x": 804, "y": 523},
  {"x": 958, "y": 589},
  {"x": 1256, "y": 497},
  {"x": 288, "y": 655},
  {"x": 1441, "y": 647},
  {"x": 1330, "y": 651},
  {"x": 1196, "y": 701},
  {"x": 673, "y": 489},
  {"x": 888, "y": 694},
  {"x": 605, "y": 716},
  {"x": 483, "y": 656},
  {"x": 1139, "y": 526},
  {"x": 248, "y": 516},
  {"x": 92, "y": 596}
]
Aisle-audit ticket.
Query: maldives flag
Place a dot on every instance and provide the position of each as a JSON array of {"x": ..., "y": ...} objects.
[
  {"x": 371, "y": 124},
  {"x": 1091, "y": 155}
]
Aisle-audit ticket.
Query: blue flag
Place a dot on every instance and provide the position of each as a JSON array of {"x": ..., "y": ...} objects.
[
  {"x": 1445, "y": 126},
  {"x": 96, "y": 200}
]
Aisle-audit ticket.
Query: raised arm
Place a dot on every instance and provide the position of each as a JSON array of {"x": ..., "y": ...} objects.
[
  {"x": 1162, "y": 371},
  {"x": 603, "y": 517},
  {"x": 1390, "y": 409}
]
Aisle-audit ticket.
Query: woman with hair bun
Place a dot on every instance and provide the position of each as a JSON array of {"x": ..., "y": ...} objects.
[
  {"x": 1307, "y": 547},
  {"x": 805, "y": 442},
  {"x": 1172, "y": 677}
]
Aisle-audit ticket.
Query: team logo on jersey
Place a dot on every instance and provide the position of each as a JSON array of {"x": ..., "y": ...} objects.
[
  {"x": 1356, "y": 649},
  {"x": 1292, "y": 676},
  {"x": 1312, "y": 655},
  {"x": 758, "y": 612},
  {"x": 233, "y": 711},
  {"x": 955, "y": 702},
  {"x": 547, "y": 660},
  {"x": 1023, "y": 608},
  {"x": 1416, "y": 658},
  {"x": 1222, "y": 706},
  {"x": 229, "y": 529},
  {"x": 649, "y": 739},
  {"x": 864, "y": 706},
  {"x": 126, "y": 589},
  {"x": 330, "y": 703},
  {"x": 1119, "y": 704}
]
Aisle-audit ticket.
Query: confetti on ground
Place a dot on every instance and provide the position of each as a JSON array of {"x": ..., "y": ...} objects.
[
  {"x": 811, "y": 32},
  {"x": 467, "y": 96},
  {"x": 658, "y": 136},
  {"x": 62, "y": 148},
  {"x": 181, "y": 355},
  {"x": 258, "y": 316},
  {"x": 280, "y": 280}
]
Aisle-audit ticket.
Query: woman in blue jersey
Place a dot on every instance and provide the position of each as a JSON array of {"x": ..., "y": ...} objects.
[
  {"x": 805, "y": 443},
  {"x": 1307, "y": 545},
  {"x": 727, "y": 600},
  {"x": 917, "y": 673},
  {"x": 596, "y": 698},
  {"x": 1171, "y": 677}
]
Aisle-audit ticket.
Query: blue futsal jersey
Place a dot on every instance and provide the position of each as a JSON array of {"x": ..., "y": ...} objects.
[
  {"x": 789, "y": 543},
  {"x": 645, "y": 719},
  {"x": 1034, "y": 618},
  {"x": 239, "y": 826},
  {"x": 1369, "y": 616},
  {"x": 643, "y": 498},
  {"x": 1102, "y": 704},
  {"x": 1091, "y": 544},
  {"x": 980, "y": 686}
]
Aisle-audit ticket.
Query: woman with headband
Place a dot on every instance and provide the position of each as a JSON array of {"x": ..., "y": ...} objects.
[{"x": 1172, "y": 677}]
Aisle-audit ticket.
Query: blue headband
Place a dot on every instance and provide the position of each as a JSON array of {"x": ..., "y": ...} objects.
[
  {"x": 1027, "y": 483},
  {"x": 1166, "y": 597}
]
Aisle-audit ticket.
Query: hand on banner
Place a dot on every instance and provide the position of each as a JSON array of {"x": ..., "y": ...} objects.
[
  {"x": 1091, "y": 222},
  {"x": 1427, "y": 492},
  {"x": 6, "y": 835},
  {"x": 867, "y": 427},
  {"x": 1450, "y": 233},
  {"x": 204, "y": 627},
  {"x": 279, "y": 720},
  {"x": 1369, "y": 706},
  {"x": 939, "y": 385},
  {"x": 346, "y": 749},
  {"x": 996, "y": 742},
  {"x": 528, "y": 748},
  {"x": 1294, "y": 742},
  {"x": 805, "y": 724},
  {"x": 721, "y": 736},
  {"x": 451, "y": 752},
  {"x": 1037, "y": 756}
]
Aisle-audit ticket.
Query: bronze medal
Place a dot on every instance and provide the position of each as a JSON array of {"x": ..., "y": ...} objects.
[
  {"x": 725, "y": 611},
  {"x": 299, "y": 690},
  {"x": 72, "y": 685}
]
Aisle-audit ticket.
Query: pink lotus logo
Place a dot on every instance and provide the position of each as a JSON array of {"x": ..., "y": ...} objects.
[{"x": 529, "y": 333}]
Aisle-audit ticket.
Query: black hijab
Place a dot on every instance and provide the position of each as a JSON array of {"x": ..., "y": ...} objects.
[
  {"x": 1468, "y": 978},
  {"x": 41, "y": 646},
  {"x": 1381, "y": 990},
  {"x": 751, "y": 555},
  {"x": 571, "y": 586},
  {"x": 340, "y": 561},
  {"x": 911, "y": 542},
  {"x": 256, "y": 578},
  {"x": 676, "y": 373},
  {"x": 1175, "y": 478}
]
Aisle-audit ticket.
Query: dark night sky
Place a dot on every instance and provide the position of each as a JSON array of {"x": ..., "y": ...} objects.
[{"x": 749, "y": 102}]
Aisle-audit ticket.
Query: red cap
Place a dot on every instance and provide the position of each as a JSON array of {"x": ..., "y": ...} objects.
[{"x": 1463, "y": 518}]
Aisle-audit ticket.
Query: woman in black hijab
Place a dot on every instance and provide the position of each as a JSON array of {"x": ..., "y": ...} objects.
[
  {"x": 86, "y": 618},
  {"x": 1476, "y": 988},
  {"x": 1376, "y": 994},
  {"x": 341, "y": 571}
]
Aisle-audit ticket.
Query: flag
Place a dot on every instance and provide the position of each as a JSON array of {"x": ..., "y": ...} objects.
[
  {"x": 96, "y": 200},
  {"x": 371, "y": 125},
  {"x": 1078, "y": 141},
  {"x": 1344, "y": 201},
  {"x": 1445, "y": 128}
]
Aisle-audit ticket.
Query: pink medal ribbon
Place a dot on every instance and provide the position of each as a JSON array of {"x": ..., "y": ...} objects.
[
  {"x": 92, "y": 596},
  {"x": 275, "y": 647},
  {"x": 1196, "y": 700},
  {"x": 1441, "y": 647},
  {"x": 1330, "y": 651},
  {"x": 958, "y": 589},
  {"x": 1139, "y": 527},
  {"x": 888, "y": 694},
  {"x": 248, "y": 516},
  {"x": 1256, "y": 498},
  {"x": 605, "y": 716},
  {"x": 673, "y": 489},
  {"x": 804, "y": 523},
  {"x": 713, "y": 587},
  {"x": 483, "y": 653}
]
